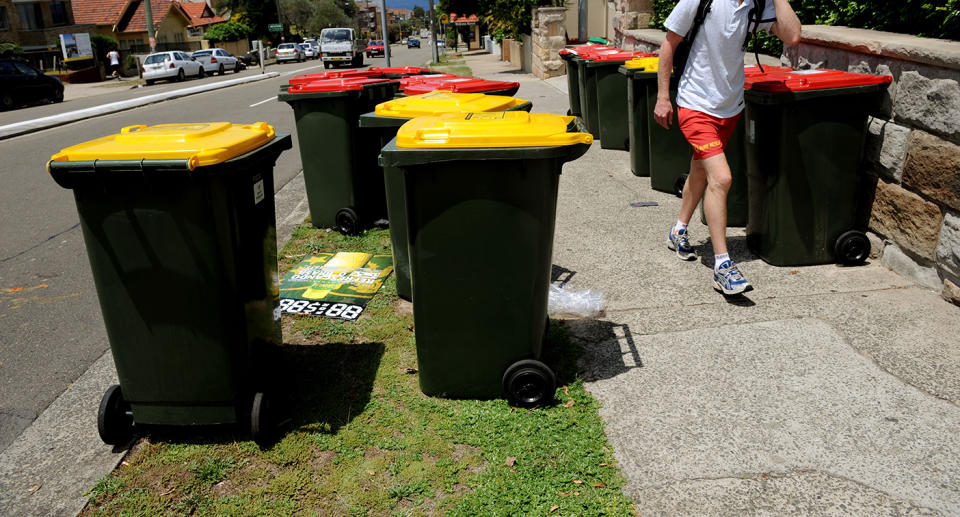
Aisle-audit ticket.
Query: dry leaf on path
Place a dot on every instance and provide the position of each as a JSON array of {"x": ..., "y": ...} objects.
[
  {"x": 577, "y": 482},
  {"x": 566, "y": 391},
  {"x": 511, "y": 461},
  {"x": 554, "y": 508},
  {"x": 599, "y": 485},
  {"x": 569, "y": 403}
]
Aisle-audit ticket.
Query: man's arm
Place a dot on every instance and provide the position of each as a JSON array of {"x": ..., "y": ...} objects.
[
  {"x": 787, "y": 26},
  {"x": 663, "y": 111}
]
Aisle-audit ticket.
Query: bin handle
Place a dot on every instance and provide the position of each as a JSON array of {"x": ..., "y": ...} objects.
[{"x": 131, "y": 129}]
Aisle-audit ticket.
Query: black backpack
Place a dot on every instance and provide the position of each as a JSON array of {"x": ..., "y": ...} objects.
[{"x": 682, "y": 54}]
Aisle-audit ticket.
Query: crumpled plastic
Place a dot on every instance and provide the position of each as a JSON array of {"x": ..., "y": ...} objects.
[{"x": 586, "y": 303}]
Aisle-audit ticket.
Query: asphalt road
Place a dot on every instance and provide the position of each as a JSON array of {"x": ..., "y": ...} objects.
[{"x": 51, "y": 329}]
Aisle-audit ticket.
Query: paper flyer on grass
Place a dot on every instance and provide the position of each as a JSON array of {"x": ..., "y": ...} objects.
[{"x": 334, "y": 285}]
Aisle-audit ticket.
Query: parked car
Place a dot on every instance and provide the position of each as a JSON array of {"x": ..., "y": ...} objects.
[
  {"x": 290, "y": 52},
  {"x": 22, "y": 84},
  {"x": 375, "y": 48},
  {"x": 216, "y": 60},
  {"x": 309, "y": 50},
  {"x": 413, "y": 42},
  {"x": 170, "y": 65}
]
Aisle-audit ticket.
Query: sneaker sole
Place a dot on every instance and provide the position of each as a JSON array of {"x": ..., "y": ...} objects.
[
  {"x": 730, "y": 292},
  {"x": 681, "y": 256}
]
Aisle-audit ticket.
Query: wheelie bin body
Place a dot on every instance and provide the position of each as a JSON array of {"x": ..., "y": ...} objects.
[
  {"x": 612, "y": 114},
  {"x": 426, "y": 84},
  {"x": 478, "y": 186},
  {"x": 804, "y": 140},
  {"x": 179, "y": 226},
  {"x": 639, "y": 72},
  {"x": 384, "y": 123},
  {"x": 588, "y": 88},
  {"x": 343, "y": 180},
  {"x": 571, "y": 56}
]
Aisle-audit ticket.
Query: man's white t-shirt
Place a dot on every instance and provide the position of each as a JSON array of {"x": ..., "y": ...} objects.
[
  {"x": 114, "y": 57},
  {"x": 713, "y": 80}
]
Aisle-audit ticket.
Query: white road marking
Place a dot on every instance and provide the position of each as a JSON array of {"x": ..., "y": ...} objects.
[
  {"x": 264, "y": 101},
  {"x": 300, "y": 70}
]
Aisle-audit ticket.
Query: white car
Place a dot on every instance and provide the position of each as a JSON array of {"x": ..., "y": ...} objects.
[
  {"x": 310, "y": 50},
  {"x": 170, "y": 65},
  {"x": 290, "y": 52},
  {"x": 216, "y": 60}
]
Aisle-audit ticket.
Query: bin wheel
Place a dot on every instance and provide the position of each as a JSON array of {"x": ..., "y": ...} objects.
[
  {"x": 678, "y": 185},
  {"x": 347, "y": 221},
  {"x": 261, "y": 418},
  {"x": 852, "y": 248},
  {"x": 114, "y": 419},
  {"x": 326, "y": 64},
  {"x": 529, "y": 383}
]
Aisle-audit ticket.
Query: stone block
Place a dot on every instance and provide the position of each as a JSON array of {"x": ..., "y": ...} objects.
[
  {"x": 948, "y": 248},
  {"x": 951, "y": 292},
  {"x": 897, "y": 260},
  {"x": 932, "y": 168},
  {"x": 906, "y": 219},
  {"x": 635, "y": 6},
  {"x": 930, "y": 104},
  {"x": 886, "y": 148},
  {"x": 876, "y": 245},
  {"x": 557, "y": 43}
]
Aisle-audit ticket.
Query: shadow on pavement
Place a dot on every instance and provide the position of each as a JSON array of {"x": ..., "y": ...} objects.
[{"x": 605, "y": 349}]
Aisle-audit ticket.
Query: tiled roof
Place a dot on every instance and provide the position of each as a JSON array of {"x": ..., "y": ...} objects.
[
  {"x": 201, "y": 14},
  {"x": 98, "y": 12},
  {"x": 160, "y": 8}
]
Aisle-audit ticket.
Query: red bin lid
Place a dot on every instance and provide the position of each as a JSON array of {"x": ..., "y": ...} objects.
[
  {"x": 820, "y": 79},
  {"x": 418, "y": 79},
  {"x": 623, "y": 55},
  {"x": 335, "y": 85},
  {"x": 583, "y": 48},
  {"x": 459, "y": 85},
  {"x": 408, "y": 70},
  {"x": 339, "y": 74}
]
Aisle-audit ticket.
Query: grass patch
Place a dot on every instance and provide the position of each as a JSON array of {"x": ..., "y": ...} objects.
[
  {"x": 452, "y": 63},
  {"x": 364, "y": 440}
]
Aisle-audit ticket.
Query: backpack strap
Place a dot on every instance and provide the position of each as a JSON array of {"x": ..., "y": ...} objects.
[
  {"x": 753, "y": 26},
  {"x": 702, "y": 10}
]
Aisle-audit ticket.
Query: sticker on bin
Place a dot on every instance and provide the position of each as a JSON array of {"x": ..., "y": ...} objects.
[
  {"x": 199, "y": 144},
  {"x": 334, "y": 285},
  {"x": 491, "y": 130}
]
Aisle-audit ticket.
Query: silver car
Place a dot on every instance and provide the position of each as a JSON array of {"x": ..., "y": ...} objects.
[
  {"x": 290, "y": 52},
  {"x": 216, "y": 60},
  {"x": 170, "y": 65}
]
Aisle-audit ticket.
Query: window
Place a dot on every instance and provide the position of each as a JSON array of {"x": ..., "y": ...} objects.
[
  {"x": 25, "y": 69},
  {"x": 31, "y": 17},
  {"x": 58, "y": 13},
  {"x": 4, "y": 21}
]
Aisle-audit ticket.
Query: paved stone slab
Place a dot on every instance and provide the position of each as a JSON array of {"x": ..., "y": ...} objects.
[{"x": 715, "y": 405}]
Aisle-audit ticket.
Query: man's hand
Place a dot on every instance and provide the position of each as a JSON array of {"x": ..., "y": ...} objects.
[{"x": 663, "y": 113}]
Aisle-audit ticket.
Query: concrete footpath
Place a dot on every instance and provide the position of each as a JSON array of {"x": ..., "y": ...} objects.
[{"x": 826, "y": 390}]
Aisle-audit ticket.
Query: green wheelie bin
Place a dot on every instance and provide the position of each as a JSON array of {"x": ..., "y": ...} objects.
[
  {"x": 612, "y": 114},
  {"x": 588, "y": 88},
  {"x": 343, "y": 181},
  {"x": 571, "y": 56},
  {"x": 640, "y": 72},
  {"x": 383, "y": 124},
  {"x": 805, "y": 135},
  {"x": 180, "y": 231},
  {"x": 478, "y": 186}
]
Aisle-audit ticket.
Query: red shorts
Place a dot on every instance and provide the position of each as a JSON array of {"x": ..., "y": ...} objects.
[{"x": 707, "y": 134}]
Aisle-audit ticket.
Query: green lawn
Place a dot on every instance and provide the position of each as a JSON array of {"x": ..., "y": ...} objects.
[
  {"x": 364, "y": 440},
  {"x": 452, "y": 63}
]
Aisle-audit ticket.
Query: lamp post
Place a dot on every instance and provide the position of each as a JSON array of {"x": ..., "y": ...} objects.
[
  {"x": 386, "y": 36},
  {"x": 151, "y": 35},
  {"x": 433, "y": 33}
]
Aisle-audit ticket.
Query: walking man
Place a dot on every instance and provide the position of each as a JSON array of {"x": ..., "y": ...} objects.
[
  {"x": 114, "y": 58},
  {"x": 709, "y": 103}
]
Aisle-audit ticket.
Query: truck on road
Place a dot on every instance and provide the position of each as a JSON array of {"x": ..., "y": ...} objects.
[{"x": 340, "y": 45}]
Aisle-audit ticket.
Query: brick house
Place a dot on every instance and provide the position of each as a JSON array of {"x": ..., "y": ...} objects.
[{"x": 36, "y": 26}]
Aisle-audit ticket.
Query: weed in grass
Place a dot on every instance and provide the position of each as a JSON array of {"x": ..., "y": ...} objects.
[
  {"x": 413, "y": 491},
  {"x": 109, "y": 485},
  {"x": 212, "y": 470}
]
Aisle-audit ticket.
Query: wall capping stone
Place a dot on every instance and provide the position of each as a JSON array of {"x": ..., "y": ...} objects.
[{"x": 934, "y": 52}]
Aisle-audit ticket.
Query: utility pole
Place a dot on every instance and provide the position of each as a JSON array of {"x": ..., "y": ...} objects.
[
  {"x": 151, "y": 35},
  {"x": 386, "y": 34},
  {"x": 279, "y": 20},
  {"x": 433, "y": 35}
]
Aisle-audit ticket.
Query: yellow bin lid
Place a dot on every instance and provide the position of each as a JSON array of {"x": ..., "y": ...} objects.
[
  {"x": 206, "y": 143},
  {"x": 435, "y": 103},
  {"x": 650, "y": 64},
  {"x": 501, "y": 129}
]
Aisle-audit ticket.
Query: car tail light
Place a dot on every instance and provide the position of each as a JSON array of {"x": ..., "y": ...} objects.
[
  {"x": 213, "y": 60},
  {"x": 295, "y": 51},
  {"x": 172, "y": 65},
  {"x": 143, "y": 69}
]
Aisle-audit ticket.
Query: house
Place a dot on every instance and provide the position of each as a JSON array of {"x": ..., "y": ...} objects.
[
  {"x": 178, "y": 26},
  {"x": 202, "y": 18},
  {"x": 36, "y": 27}
]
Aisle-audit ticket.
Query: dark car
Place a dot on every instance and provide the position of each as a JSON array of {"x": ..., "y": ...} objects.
[
  {"x": 375, "y": 48},
  {"x": 413, "y": 42},
  {"x": 22, "y": 84}
]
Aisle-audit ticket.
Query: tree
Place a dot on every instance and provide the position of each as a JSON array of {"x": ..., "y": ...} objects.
[
  {"x": 257, "y": 14},
  {"x": 228, "y": 31},
  {"x": 348, "y": 7},
  {"x": 419, "y": 14},
  {"x": 298, "y": 13},
  {"x": 328, "y": 14}
]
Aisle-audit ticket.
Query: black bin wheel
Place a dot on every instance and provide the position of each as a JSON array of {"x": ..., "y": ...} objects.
[
  {"x": 678, "y": 185},
  {"x": 852, "y": 248},
  {"x": 261, "y": 418},
  {"x": 529, "y": 383},
  {"x": 347, "y": 221},
  {"x": 114, "y": 419}
]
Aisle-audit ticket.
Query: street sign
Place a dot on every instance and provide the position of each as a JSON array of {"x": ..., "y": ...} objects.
[{"x": 275, "y": 27}]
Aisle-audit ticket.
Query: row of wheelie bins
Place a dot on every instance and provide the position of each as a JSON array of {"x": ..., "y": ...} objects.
[
  {"x": 794, "y": 155},
  {"x": 180, "y": 230}
]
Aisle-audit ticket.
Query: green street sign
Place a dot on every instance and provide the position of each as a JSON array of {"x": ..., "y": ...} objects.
[{"x": 275, "y": 27}]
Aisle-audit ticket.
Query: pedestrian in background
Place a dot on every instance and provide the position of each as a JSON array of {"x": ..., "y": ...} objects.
[
  {"x": 709, "y": 103},
  {"x": 114, "y": 58}
]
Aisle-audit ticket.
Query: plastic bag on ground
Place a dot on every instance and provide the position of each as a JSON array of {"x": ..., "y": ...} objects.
[{"x": 586, "y": 303}]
